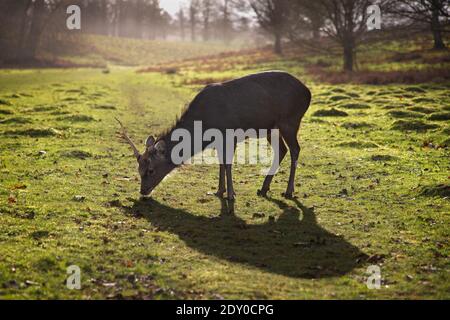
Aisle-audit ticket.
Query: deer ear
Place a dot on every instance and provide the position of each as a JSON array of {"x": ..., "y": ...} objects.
[
  {"x": 160, "y": 147},
  {"x": 150, "y": 142}
]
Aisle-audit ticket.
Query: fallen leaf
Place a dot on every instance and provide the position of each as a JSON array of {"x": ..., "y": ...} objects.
[
  {"x": 109, "y": 284},
  {"x": 79, "y": 198},
  {"x": 18, "y": 186},
  {"x": 12, "y": 199}
]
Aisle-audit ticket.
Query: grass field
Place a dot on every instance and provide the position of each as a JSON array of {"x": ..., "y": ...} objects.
[
  {"x": 99, "y": 51},
  {"x": 372, "y": 189}
]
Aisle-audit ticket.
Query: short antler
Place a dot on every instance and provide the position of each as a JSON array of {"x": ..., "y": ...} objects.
[{"x": 124, "y": 135}]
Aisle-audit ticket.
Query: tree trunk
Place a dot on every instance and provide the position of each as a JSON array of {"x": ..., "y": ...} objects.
[
  {"x": 348, "y": 56},
  {"x": 315, "y": 24},
  {"x": 34, "y": 35},
  {"x": 277, "y": 46},
  {"x": 206, "y": 30},
  {"x": 23, "y": 29},
  {"x": 192, "y": 32},
  {"x": 436, "y": 29}
]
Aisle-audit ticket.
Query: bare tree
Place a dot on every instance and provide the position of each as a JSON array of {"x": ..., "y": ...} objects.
[
  {"x": 193, "y": 13},
  {"x": 36, "y": 16},
  {"x": 306, "y": 17},
  {"x": 346, "y": 23},
  {"x": 182, "y": 23},
  {"x": 225, "y": 22},
  {"x": 272, "y": 16},
  {"x": 432, "y": 13},
  {"x": 207, "y": 10}
]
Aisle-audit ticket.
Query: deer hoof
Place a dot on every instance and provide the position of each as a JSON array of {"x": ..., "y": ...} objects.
[
  {"x": 262, "y": 193},
  {"x": 219, "y": 193},
  {"x": 287, "y": 195}
]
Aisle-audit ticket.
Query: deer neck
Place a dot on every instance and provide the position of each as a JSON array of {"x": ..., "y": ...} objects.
[{"x": 185, "y": 133}]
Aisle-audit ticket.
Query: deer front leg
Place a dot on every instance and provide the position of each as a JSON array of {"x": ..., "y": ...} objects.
[{"x": 221, "y": 189}]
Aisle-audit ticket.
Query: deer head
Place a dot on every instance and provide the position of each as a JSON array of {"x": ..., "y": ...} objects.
[{"x": 154, "y": 164}]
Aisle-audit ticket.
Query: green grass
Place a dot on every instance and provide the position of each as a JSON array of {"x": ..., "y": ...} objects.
[
  {"x": 370, "y": 191},
  {"x": 103, "y": 50}
]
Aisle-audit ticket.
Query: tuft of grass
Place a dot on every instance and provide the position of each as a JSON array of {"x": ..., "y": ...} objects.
[
  {"x": 37, "y": 235},
  {"x": 415, "y": 89},
  {"x": 355, "y": 105},
  {"x": 33, "y": 132},
  {"x": 443, "y": 116},
  {"x": 413, "y": 125},
  {"x": 357, "y": 125},
  {"x": 4, "y": 102},
  {"x": 77, "y": 118},
  {"x": 47, "y": 108},
  {"x": 104, "y": 107},
  {"x": 423, "y": 100},
  {"x": 77, "y": 154},
  {"x": 404, "y": 114},
  {"x": 15, "y": 120},
  {"x": 46, "y": 264},
  {"x": 445, "y": 143},
  {"x": 330, "y": 113},
  {"x": 358, "y": 144},
  {"x": 422, "y": 110},
  {"x": 6, "y": 112},
  {"x": 338, "y": 98},
  {"x": 382, "y": 157},
  {"x": 440, "y": 190}
]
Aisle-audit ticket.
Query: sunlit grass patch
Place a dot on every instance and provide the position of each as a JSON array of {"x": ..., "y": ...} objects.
[
  {"x": 74, "y": 198},
  {"x": 34, "y": 132}
]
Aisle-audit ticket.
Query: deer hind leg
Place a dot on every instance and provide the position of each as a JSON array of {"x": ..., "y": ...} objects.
[
  {"x": 282, "y": 150},
  {"x": 221, "y": 189},
  {"x": 230, "y": 190},
  {"x": 289, "y": 134},
  {"x": 228, "y": 161}
]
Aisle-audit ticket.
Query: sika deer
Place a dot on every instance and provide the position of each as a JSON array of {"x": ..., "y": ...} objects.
[{"x": 266, "y": 100}]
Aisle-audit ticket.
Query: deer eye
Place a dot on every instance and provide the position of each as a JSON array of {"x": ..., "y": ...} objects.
[{"x": 151, "y": 171}]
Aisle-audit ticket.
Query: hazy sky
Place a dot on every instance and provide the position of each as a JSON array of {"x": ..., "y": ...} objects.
[{"x": 172, "y": 6}]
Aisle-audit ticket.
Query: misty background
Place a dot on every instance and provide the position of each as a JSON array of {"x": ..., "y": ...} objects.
[{"x": 32, "y": 27}]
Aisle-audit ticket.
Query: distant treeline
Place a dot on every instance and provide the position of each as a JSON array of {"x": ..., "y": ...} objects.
[{"x": 28, "y": 24}]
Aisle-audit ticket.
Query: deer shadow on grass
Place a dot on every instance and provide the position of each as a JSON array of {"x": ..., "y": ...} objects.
[{"x": 293, "y": 245}]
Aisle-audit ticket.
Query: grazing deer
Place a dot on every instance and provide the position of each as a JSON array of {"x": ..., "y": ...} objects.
[{"x": 268, "y": 100}]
